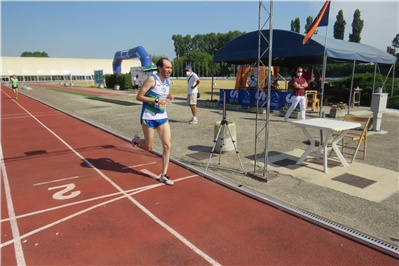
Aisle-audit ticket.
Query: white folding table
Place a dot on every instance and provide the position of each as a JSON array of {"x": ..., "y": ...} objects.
[{"x": 328, "y": 126}]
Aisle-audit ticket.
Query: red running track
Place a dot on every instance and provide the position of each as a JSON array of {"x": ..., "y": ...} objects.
[{"x": 75, "y": 195}]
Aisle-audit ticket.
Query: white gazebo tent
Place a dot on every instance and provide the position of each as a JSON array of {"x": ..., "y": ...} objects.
[{"x": 79, "y": 73}]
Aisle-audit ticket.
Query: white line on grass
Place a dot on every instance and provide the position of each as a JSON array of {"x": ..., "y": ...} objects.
[{"x": 146, "y": 211}]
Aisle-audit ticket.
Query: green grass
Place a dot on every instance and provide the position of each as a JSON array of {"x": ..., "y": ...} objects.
[
  {"x": 179, "y": 88},
  {"x": 76, "y": 93},
  {"x": 205, "y": 87}
]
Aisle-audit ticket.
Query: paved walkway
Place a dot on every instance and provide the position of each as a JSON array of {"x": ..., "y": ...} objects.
[{"x": 363, "y": 196}]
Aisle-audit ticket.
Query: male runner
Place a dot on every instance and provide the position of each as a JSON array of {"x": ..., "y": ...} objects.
[
  {"x": 155, "y": 94},
  {"x": 14, "y": 82}
]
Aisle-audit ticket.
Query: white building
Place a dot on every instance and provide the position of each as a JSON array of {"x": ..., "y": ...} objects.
[{"x": 48, "y": 69}]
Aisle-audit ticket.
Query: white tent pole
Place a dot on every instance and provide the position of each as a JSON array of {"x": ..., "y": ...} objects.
[
  {"x": 323, "y": 75},
  {"x": 350, "y": 93}
]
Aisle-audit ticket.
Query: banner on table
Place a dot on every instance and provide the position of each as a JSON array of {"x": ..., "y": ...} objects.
[{"x": 248, "y": 97}]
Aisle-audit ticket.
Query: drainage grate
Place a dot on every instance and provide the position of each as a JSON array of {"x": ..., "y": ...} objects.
[{"x": 354, "y": 180}]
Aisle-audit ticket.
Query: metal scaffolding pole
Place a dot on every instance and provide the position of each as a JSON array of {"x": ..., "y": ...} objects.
[{"x": 262, "y": 123}]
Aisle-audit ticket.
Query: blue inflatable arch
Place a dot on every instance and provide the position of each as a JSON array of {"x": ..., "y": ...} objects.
[{"x": 138, "y": 52}]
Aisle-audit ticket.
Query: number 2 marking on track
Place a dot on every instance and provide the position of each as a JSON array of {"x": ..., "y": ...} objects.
[{"x": 60, "y": 194}]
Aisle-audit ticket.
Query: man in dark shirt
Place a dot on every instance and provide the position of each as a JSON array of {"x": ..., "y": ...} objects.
[{"x": 299, "y": 85}]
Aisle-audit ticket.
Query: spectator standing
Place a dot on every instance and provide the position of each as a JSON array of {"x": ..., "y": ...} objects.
[
  {"x": 137, "y": 82},
  {"x": 298, "y": 95},
  {"x": 192, "y": 91}
]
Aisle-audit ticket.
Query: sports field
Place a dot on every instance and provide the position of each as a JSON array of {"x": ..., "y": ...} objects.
[{"x": 179, "y": 86}]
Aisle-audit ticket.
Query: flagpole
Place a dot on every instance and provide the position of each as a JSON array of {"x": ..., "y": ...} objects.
[{"x": 323, "y": 75}]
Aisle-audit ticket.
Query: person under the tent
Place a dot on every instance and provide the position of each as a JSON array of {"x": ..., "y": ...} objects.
[
  {"x": 252, "y": 82},
  {"x": 298, "y": 95}
]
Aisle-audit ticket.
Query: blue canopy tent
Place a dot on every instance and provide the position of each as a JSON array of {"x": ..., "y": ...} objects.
[{"x": 289, "y": 51}]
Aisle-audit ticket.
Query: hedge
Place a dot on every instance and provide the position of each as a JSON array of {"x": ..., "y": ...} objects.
[
  {"x": 123, "y": 80},
  {"x": 365, "y": 81}
]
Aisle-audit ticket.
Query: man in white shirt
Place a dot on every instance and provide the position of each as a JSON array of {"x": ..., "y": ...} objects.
[
  {"x": 252, "y": 82},
  {"x": 192, "y": 90},
  {"x": 136, "y": 83}
]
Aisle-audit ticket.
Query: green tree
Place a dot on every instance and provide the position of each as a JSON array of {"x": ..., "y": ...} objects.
[
  {"x": 309, "y": 22},
  {"x": 208, "y": 43},
  {"x": 292, "y": 25},
  {"x": 297, "y": 26},
  {"x": 395, "y": 44},
  {"x": 34, "y": 54},
  {"x": 179, "y": 64},
  {"x": 155, "y": 58},
  {"x": 339, "y": 26},
  {"x": 357, "y": 27},
  {"x": 211, "y": 43},
  {"x": 182, "y": 44},
  {"x": 26, "y": 54},
  {"x": 224, "y": 38}
]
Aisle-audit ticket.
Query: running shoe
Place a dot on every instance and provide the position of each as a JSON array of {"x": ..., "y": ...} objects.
[
  {"x": 134, "y": 140},
  {"x": 286, "y": 119},
  {"x": 192, "y": 121},
  {"x": 166, "y": 179}
]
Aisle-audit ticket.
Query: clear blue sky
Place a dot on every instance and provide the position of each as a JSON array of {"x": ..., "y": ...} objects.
[{"x": 97, "y": 29}]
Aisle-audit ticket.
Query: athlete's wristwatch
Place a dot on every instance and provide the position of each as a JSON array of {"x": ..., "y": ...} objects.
[{"x": 156, "y": 100}]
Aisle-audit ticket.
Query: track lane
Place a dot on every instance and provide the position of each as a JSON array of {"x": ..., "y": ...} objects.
[
  {"x": 145, "y": 179},
  {"x": 229, "y": 227}
]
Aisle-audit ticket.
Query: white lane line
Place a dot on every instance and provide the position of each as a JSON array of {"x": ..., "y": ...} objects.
[
  {"x": 89, "y": 209},
  {"x": 137, "y": 165},
  {"x": 19, "y": 253},
  {"x": 146, "y": 211},
  {"x": 75, "y": 203},
  {"x": 87, "y": 200},
  {"x": 25, "y": 116},
  {"x": 58, "y": 180}
]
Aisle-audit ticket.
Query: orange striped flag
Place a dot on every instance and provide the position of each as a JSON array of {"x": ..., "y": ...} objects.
[{"x": 320, "y": 21}]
